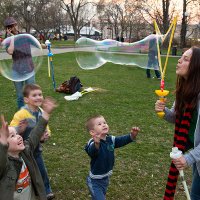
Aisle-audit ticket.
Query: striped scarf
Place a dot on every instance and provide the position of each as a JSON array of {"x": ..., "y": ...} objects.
[{"x": 182, "y": 125}]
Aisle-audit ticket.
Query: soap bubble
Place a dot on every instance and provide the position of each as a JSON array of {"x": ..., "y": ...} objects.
[
  {"x": 20, "y": 57},
  {"x": 91, "y": 54}
]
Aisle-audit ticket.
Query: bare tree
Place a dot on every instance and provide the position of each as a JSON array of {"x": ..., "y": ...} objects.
[
  {"x": 162, "y": 12},
  {"x": 103, "y": 21},
  {"x": 45, "y": 15},
  {"x": 7, "y": 8},
  {"x": 165, "y": 8},
  {"x": 122, "y": 18},
  {"x": 186, "y": 19},
  {"x": 79, "y": 13}
]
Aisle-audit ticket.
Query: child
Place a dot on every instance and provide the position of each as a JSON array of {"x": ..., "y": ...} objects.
[
  {"x": 20, "y": 177},
  {"x": 101, "y": 151},
  {"x": 30, "y": 112}
]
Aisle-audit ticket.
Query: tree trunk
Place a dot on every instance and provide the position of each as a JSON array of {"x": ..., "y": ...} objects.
[
  {"x": 184, "y": 26},
  {"x": 165, "y": 15}
]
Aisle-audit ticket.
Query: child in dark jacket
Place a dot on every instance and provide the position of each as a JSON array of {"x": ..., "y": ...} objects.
[
  {"x": 20, "y": 177},
  {"x": 100, "y": 148},
  {"x": 31, "y": 112}
]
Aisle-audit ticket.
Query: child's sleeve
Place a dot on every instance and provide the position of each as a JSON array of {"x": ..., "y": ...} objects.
[
  {"x": 36, "y": 133},
  {"x": 16, "y": 119},
  {"x": 90, "y": 148},
  {"x": 123, "y": 140},
  {"x": 20, "y": 115},
  {"x": 3, "y": 158}
]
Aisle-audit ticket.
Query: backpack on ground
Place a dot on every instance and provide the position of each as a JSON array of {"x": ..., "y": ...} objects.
[{"x": 70, "y": 86}]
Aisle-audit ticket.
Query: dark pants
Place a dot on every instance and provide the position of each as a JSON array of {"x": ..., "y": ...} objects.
[
  {"x": 152, "y": 64},
  {"x": 43, "y": 171},
  {"x": 157, "y": 73}
]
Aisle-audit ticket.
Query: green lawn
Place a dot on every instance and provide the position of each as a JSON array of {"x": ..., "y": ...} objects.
[
  {"x": 126, "y": 99},
  {"x": 62, "y": 43}
]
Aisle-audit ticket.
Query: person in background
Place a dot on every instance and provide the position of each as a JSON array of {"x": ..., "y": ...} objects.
[
  {"x": 20, "y": 61},
  {"x": 153, "y": 58}
]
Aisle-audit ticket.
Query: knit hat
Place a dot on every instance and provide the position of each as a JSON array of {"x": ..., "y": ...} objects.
[{"x": 9, "y": 21}]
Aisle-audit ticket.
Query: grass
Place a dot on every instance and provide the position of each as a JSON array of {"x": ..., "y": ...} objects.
[
  {"x": 126, "y": 99},
  {"x": 62, "y": 43}
]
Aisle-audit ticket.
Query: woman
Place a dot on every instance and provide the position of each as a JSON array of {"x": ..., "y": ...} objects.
[
  {"x": 21, "y": 62},
  {"x": 185, "y": 114}
]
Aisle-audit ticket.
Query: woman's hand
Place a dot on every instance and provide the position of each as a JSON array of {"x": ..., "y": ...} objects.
[
  {"x": 180, "y": 163},
  {"x": 159, "y": 106}
]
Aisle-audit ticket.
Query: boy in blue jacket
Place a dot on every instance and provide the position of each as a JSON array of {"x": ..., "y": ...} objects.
[{"x": 100, "y": 148}]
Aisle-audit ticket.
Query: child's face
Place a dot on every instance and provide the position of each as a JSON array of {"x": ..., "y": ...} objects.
[
  {"x": 15, "y": 141},
  {"x": 100, "y": 127},
  {"x": 34, "y": 99}
]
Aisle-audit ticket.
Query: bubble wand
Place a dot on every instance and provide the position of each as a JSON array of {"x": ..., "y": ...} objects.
[
  {"x": 163, "y": 93},
  {"x": 50, "y": 63},
  {"x": 176, "y": 153}
]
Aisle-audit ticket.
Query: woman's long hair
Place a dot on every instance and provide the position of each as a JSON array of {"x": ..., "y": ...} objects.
[{"x": 187, "y": 90}]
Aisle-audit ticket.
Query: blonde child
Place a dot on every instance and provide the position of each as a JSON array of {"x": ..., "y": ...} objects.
[{"x": 100, "y": 148}]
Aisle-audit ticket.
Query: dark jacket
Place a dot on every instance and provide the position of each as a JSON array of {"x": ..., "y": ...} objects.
[
  {"x": 102, "y": 159},
  {"x": 10, "y": 167}
]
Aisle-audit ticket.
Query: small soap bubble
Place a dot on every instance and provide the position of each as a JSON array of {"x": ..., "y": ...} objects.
[{"x": 20, "y": 57}]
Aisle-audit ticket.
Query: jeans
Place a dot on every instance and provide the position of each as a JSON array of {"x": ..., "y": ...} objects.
[
  {"x": 157, "y": 73},
  {"x": 195, "y": 189},
  {"x": 43, "y": 171},
  {"x": 19, "y": 90},
  {"x": 152, "y": 64},
  {"x": 98, "y": 187}
]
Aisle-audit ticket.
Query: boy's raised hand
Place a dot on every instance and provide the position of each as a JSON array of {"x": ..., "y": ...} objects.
[
  {"x": 4, "y": 133},
  {"x": 48, "y": 105},
  {"x": 134, "y": 132},
  {"x": 96, "y": 138},
  {"x": 45, "y": 136}
]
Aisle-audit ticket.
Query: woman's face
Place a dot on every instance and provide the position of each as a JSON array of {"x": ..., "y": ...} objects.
[
  {"x": 13, "y": 29},
  {"x": 183, "y": 64}
]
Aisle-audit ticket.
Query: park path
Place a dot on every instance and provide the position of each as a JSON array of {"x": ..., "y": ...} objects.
[{"x": 59, "y": 50}]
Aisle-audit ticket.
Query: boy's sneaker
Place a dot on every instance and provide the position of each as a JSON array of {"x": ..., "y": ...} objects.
[{"x": 50, "y": 196}]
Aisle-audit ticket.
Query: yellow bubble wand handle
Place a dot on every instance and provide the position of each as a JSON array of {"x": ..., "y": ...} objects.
[
  {"x": 163, "y": 93},
  {"x": 162, "y": 97}
]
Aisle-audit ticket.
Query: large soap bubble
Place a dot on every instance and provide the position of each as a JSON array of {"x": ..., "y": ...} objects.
[
  {"x": 20, "y": 57},
  {"x": 91, "y": 54}
]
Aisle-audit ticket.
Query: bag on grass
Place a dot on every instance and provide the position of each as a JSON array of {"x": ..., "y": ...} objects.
[{"x": 70, "y": 86}]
